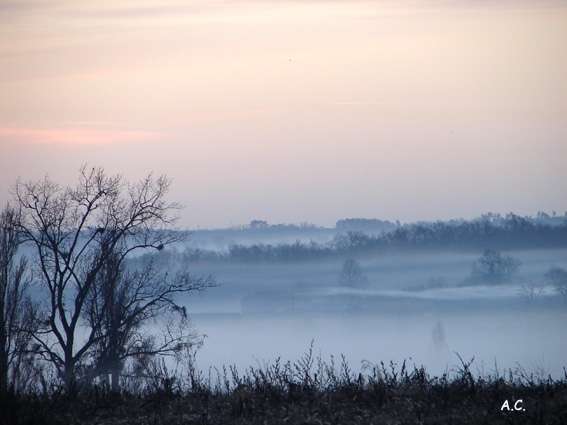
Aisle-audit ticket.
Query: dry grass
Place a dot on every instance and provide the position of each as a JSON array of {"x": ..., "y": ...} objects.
[{"x": 309, "y": 391}]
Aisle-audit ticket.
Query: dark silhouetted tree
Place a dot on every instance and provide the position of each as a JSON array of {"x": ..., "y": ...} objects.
[
  {"x": 82, "y": 236},
  {"x": 18, "y": 315},
  {"x": 130, "y": 301}
]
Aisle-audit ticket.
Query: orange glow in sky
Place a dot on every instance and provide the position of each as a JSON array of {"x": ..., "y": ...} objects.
[{"x": 294, "y": 111}]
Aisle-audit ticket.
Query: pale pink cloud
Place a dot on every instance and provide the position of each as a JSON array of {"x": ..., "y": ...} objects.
[{"x": 76, "y": 135}]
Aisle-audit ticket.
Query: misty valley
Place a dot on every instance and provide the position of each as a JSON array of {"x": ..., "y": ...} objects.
[
  {"x": 111, "y": 312},
  {"x": 417, "y": 302}
]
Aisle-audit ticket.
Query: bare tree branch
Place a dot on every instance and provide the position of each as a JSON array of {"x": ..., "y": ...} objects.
[{"x": 83, "y": 236}]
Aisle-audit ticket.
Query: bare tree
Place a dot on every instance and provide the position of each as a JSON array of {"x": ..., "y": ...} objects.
[
  {"x": 18, "y": 315},
  {"x": 530, "y": 293},
  {"x": 80, "y": 235},
  {"x": 351, "y": 275},
  {"x": 129, "y": 303}
]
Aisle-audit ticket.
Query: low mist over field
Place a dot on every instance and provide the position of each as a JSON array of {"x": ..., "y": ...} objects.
[{"x": 419, "y": 303}]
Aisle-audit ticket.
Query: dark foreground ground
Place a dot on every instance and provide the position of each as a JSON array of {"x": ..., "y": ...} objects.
[{"x": 307, "y": 392}]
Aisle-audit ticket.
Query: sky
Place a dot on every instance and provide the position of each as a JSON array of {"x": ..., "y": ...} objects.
[{"x": 294, "y": 111}]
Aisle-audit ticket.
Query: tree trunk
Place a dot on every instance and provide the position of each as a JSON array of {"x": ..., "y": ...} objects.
[
  {"x": 3, "y": 356},
  {"x": 3, "y": 373},
  {"x": 69, "y": 376},
  {"x": 115, "y": 381}
]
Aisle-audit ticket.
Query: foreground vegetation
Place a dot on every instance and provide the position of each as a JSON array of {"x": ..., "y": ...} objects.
[{"x": 309, "y": 391}]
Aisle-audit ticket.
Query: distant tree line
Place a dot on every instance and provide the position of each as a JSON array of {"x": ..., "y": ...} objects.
[
  {"x": 369, "y": 225},
  {"x": 488, "y": 232}
]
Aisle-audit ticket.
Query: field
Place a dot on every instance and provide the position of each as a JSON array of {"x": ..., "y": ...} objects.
[{"x": 265, "y": 311}]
